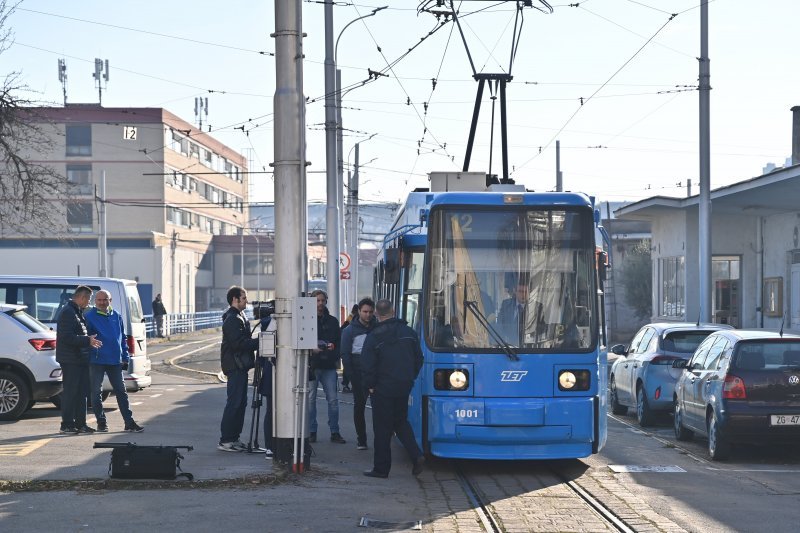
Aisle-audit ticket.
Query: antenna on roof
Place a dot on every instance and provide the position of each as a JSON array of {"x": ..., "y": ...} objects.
[
  {"x": 62, "y": 77},
  {"x": 100, "y": 75},
  {"x": 783, "y": 320},
  {"x": 200, "y": 107},
  {"x": 699, "y": 313}
]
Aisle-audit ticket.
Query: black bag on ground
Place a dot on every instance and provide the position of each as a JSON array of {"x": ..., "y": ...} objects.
[{"x": 131, "y": 461}]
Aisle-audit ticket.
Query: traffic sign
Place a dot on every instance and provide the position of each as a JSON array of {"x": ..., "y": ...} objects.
[
  {"x": 344, "y": 262},
  {"x": 344, "y": 274}
]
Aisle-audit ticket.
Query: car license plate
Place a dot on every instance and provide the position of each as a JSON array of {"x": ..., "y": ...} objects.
[{"x": 784, "y": 420}]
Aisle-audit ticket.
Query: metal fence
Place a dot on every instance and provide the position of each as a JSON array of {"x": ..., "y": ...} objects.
[{"x": 186, "y": 322}]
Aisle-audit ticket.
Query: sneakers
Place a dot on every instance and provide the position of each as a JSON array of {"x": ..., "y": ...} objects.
[
  {"x": 335, "y": 437},
  {"x": 312, "y": 437},
  {"x": 347, "y": 389},
  {"x": 373, "y": 473},
  {"x": 133, "y": 427},
  {"x": 268, "y": 454},
  {"x": 102, "y": 427},
  {"x": 235, "y": 446},
  {"x": 85, "y": 430},
  {"x": 419, "y": 465},
  {"x": 362, "y": 446},
  {"x": 68, "y": 430}
]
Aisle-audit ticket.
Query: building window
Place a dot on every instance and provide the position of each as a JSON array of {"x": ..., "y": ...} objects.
[
  {"x": 672, "y": 283},
  {"x": 773, "y": 296},
  {"x": 80, "y": 177},
  {"x": 725, "y": 275},
  {"x": 79, "y": 140},
  {"x": 179, "y": 143},
  {"x": 79, "y": 216},
  {"x": 251, "y": 264}
]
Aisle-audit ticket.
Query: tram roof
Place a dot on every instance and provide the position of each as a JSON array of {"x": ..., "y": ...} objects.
[{"x": 500, "y": 198}]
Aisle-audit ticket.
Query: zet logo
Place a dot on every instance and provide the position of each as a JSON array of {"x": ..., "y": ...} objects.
[{"x": 513, "y": 375}]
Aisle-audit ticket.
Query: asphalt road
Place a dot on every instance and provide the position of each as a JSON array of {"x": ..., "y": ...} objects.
[{"x": 679, "y": 489}]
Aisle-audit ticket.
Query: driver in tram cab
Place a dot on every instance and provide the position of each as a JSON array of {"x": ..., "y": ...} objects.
[{"x": 515, "y": 312}]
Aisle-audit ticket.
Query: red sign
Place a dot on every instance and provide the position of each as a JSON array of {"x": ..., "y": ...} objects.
[{"x": 344, "y": 274}]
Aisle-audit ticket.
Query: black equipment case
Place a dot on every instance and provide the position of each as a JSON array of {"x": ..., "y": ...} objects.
[{"x": 131, "y": 461}]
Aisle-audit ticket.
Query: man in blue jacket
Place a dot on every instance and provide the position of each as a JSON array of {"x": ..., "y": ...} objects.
[
  {"x": 109, "y": 359},
  {"x": 72, "y": 353},
  {"x": 391, "y": 360}
]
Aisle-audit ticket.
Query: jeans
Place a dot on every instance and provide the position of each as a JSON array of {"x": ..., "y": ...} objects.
[
  {"x": 359, "y": 399},
  {"x": 390, "y": 415},
  {"x": 73, "y": 399},
  {"x": 330, "y": 384},
  {"x": 233, "y": 416},
  {"x": 114, "y": 373},
  {"x": 159, "y": 325}
]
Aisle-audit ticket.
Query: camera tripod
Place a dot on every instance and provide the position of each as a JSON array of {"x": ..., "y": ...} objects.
[{"x": 253, "y": 445}]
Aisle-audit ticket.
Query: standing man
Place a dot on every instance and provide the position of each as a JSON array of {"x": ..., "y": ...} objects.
[
  {"x": 109, "y": 359},
  {"x": 236, "y": 359},
  {"x": 72, "y": 353},
  {"x": 159, "y": 312},
  {"x": 324, "y": 361},
  {"x": 391, "y": 361},
  {"x": 352, "y": 343}
]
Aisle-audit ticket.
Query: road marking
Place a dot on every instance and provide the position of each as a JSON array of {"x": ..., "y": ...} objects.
[
  {"x": 662, "y": 441},
  {"x": 174, "y": 348},
  {"x": 219, "y": 375},
  {"x": 155, "y": 395},
  {"x": 766, "y": 470},
  {"x": 136, "y": 403},
  {"x": 22, "y": 449},
  {"x": 646, "y": 468}
]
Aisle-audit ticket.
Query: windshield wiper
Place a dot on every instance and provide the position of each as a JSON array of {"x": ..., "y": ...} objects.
[{"x": 507, "y": 348}]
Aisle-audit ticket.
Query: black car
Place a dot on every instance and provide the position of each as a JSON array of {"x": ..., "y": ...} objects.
[{"x": 740, "y": 386}]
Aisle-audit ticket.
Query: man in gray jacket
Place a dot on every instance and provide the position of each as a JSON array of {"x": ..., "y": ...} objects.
[{"x": 352, "y": 342}]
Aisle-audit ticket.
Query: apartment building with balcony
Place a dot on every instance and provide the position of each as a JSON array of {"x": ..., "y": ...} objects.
[{"x": 169, "y": 189}]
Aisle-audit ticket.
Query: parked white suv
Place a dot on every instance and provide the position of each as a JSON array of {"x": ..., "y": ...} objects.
[{"x": 28, "y": 369}]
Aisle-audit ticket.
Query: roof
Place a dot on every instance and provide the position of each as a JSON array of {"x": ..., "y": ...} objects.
[
  {"x": 760, "y": 334},
  {"x": 664, "y": 327},
  {"x": 768, "y": 194},
  {"x": 5, "y": 308}
]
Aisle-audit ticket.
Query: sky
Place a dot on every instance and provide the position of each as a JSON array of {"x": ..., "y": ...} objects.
[{"x": 613, "y": 80}]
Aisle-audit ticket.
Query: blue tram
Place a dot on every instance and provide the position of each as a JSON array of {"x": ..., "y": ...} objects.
[{"x": 505, "y": 291}]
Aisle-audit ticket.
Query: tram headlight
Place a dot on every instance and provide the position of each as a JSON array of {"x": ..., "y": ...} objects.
[
  {"x": 574, "y": 380},
  {"x": 454, "y": 379}
]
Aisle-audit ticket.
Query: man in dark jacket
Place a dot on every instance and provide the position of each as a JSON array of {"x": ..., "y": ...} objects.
[
  {"x": 109, "y": 360},
  {"x": 236, "y": 358},
  {"x": 391, "y": 360},
  {"x": 159, "y": 312},
  {"x": 324, "y": 361},
  {"x": 352, "y": 343},
  {"x": 72, "y": 353}
]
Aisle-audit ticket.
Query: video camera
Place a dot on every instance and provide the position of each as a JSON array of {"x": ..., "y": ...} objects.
[{"x": 263, "y": 309}]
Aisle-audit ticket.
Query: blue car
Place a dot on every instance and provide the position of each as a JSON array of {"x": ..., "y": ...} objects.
[
  {"x": 643, "y": 376},
  {"x": 740, "y": 386}
]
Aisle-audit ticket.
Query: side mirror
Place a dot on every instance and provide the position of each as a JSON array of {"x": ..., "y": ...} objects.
[
  {"x": 679, "y": 363},
  {"x": 619, "y": 349}
]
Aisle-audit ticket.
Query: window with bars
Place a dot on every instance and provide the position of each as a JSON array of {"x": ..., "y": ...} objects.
[{"x": 672, "y": 282}]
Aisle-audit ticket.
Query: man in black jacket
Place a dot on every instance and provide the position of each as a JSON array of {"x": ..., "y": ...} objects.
[
  {"x": 391, "y": 359},
  {"x": 236, "y": 358},
  {"x": 324, "y": 361},
  {"x": 72, "y": 353}
]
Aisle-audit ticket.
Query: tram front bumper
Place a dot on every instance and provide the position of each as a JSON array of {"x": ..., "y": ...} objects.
[{"x": 510, "y": 428}]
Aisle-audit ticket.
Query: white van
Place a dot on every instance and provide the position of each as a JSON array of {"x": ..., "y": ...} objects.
[{"x": 46, "y": 296}]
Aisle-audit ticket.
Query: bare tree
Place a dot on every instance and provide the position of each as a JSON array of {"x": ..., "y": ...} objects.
[{"x": 32, "y": 193}]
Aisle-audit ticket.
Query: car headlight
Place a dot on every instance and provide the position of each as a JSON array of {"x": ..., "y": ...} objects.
[
  {"x": 574, "y": 380},
  {"x": 454, "y": 379}
]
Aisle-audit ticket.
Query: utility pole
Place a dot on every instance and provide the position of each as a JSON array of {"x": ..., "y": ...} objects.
[
  {"x": 704, "y": 219},
  {"x": 332, "y": 181},
  {"x": 559, "y": 177},
  {"x": 103, "y": 227},
  {"x": 352, "y": 195},
  {"x": 291, "y": 378}
]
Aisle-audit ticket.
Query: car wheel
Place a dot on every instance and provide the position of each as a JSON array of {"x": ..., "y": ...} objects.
[
  {"x": 14, "y": 396},
  {"x": 644, "y": 415},
  {"x": 718, "y": 446},
  {"x": 616, "y": 407},
  {"x": 681, "y": 433}
]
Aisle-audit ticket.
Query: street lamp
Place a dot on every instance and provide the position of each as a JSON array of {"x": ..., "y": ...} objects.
[{"x": 339, "y": 177}]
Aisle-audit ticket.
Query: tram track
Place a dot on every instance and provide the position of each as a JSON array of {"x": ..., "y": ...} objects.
[{"x": 556, "y": 492}]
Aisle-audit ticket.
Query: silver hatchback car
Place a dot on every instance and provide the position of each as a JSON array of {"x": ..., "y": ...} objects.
[{"x": 643, "y": 376}]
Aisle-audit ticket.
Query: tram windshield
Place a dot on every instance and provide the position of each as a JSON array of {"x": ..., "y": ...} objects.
[{"x": 519, "y": 279}]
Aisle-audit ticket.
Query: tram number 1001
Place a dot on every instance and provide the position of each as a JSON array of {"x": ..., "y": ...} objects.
[{"x": 467, "y": 413}]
